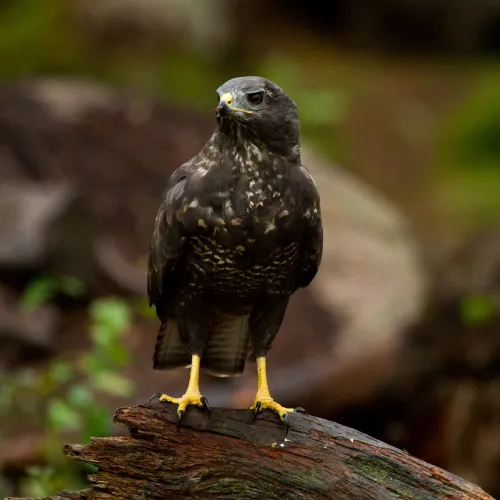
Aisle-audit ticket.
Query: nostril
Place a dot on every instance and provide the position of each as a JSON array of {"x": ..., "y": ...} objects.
[{"x": 226, "y": 98}]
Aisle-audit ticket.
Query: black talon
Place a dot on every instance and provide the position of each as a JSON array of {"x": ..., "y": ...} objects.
[
  {"x": 155, "y": 396},
  {"x": 206, "y": 405},
  {"x": 287, "y": 424},
  {"x": 256, "y": 410},
  {"x": 300, "y": 410},
  {"x": 180, "y": 415}
]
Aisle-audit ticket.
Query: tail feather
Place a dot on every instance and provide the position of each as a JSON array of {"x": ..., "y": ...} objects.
[
  {"x": 169, "y": 350},
  {"x": 226, "y": 352},
  {"x": 227, "y": 348}
]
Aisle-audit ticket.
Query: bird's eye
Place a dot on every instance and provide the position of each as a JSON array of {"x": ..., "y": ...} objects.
[{"x": 255, "y": 98}]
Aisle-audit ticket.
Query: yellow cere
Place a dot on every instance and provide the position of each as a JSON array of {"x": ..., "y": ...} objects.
[{"x": 228, "y": 99}]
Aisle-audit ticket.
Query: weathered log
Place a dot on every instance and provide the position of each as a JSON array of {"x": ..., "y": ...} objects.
[
  {"x": 62, "y": 495},
  {"x": 232, "y": 456}
]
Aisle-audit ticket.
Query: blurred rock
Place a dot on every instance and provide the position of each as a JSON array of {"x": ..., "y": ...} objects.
[
  {"x": 45, "y": 225},
  {"x": 372, "y": 272},
  {"x": 25, "y": 334},
  {"x": 442, "y": 405},
  {"x": 109, "y": 147},
  {"x": 207, "y": 27},
  {"x": 473, "y": 268}
]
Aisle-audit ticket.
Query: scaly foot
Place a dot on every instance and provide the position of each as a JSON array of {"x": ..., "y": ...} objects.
[
  {"x": 189, "y": 399},
  {"x": 192, "y": 396},
  {"x": 263, "y": 399},
  {"x": 269, "y": 404}
]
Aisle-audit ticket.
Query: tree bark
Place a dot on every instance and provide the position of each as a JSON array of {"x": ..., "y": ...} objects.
[{"x": 231, "y": 456}]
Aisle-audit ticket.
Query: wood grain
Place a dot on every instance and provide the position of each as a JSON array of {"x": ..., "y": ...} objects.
[{"x": 231, "y": 456}]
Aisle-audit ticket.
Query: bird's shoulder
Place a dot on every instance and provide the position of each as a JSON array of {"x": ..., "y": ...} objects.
[
  {"x": 308, "y": 183},
  {"x": 168, "y": 235},
  {"x": 302, "y": 194},
  {"x": 312, "y": 243}
]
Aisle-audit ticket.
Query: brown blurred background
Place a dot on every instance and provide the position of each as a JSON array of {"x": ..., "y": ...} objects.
[{"x": 399, "y": 335}]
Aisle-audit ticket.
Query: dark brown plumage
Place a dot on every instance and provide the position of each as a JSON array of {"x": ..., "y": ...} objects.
[{"x": 238, "y": 231}]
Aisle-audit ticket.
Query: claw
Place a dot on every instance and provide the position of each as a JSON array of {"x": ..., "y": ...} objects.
[
  {"x": 155, "y": 396},
  {"x": 257, "y": 409},
  {"x": 270, "y": 404},
  {"x": 180, "y": 415},
  {"x": 299, "y": 409},
  {"x": 188, "y": 399},
  {"x": 206, "y": 405},
  {"x": 287, "y": 423}
]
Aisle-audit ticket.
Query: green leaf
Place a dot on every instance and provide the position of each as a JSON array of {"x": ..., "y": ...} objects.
[
  {"x": 323, "y": 107},
  {"x": 112, "y": 383},
  {"x": 114, "y": 315},
  {"x": 89, "y": 468},
  {"x": 92, "y": 364},
  {"x": 61, "y": 372},
  {"x": 103, "y": 335},
  {"x": 38, "y": 480},
  {"x": 117, "y": 355},
  {"x": 39, "y": 291},
  {"x": 62, "y": 417},
  {"x": 72, "y": 286},
  {"x": 8, "y": 394},
  {"x": 143, "y": 308},
  {"x": 97, "y": 421},
  {"x": 476, "y": 310},
  {"x": 6, "y": 485},
  {"x": 80, "y": 395}
]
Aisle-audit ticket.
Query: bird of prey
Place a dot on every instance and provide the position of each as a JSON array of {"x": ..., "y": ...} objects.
[{"x": 238, "y": 231}]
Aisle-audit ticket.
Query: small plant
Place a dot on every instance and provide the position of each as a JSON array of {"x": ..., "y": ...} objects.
[
  {"x": 477, "y": 310},
  {"x": 45, "y": 287},
  {"x": 66, "y": 393},
  {"x": 468, "y": 158}
]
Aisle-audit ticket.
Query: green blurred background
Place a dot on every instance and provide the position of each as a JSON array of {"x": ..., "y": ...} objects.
[{"x": 404, "y": 95}]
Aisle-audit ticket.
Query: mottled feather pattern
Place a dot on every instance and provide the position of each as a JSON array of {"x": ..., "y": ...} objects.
[
  {"x": 225, "y": 271},
  {"x": 238, "y": 232}
]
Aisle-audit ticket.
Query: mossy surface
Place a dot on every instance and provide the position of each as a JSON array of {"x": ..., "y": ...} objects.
[{"x": 398, "y": 479}]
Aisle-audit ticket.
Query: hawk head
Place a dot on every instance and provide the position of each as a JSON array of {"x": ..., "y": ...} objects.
[{"x": 256, "y": 109}]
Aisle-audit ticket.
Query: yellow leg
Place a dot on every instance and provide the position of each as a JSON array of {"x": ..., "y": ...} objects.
[
  {"x": 263, "y": 399},
  {"x": 192, "y": 395}
]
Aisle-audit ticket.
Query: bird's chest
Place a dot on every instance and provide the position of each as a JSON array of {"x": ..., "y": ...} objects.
[
  {"x": 255, "y": 195},
  {"x": 238, "y": 270},
  {"x": 258, "y": 209},
  {"x": 245, "y": 231}
]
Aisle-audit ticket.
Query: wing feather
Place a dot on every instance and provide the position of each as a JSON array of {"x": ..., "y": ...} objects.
[
  {"x": 166, "y": 242},
  {"x": 312, "y": 246}
]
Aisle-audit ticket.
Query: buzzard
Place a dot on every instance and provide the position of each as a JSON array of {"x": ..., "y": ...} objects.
[{"x": 238, "y": 231}]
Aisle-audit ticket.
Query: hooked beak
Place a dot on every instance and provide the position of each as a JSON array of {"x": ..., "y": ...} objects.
[{"x": 225, "y": 106}]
